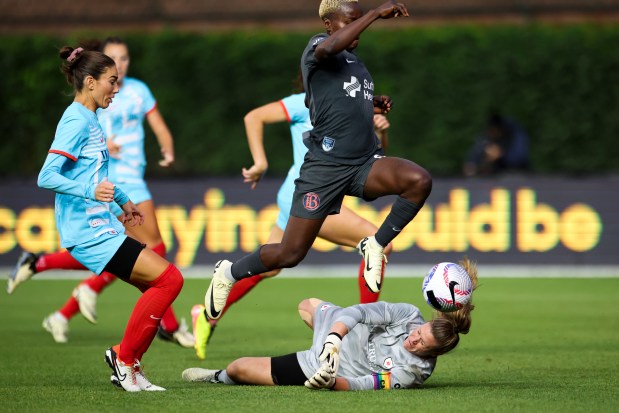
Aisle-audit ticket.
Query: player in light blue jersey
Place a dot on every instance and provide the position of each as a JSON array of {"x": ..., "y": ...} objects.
[
  {"x": 122, "y": 123},
  {"x": 374, "y": 346},
  {"x": 345, "y": 229},
  {"x": 76, "y": 168}
]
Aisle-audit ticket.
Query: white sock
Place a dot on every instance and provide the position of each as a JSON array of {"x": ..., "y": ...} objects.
[
  {"x": 223, "y": 377},
  {"x": 228, "y": 274},
  {"x": 60, "y": 317}
]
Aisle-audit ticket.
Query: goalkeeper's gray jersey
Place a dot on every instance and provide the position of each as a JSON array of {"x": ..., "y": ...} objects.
[{"x": 372, "y": 354}]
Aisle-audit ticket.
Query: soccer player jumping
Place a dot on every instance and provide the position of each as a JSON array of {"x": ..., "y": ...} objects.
[{"x": 343, "y": 155}]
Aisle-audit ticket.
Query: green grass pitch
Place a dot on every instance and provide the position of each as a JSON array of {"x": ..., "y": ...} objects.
[{"x": 536, "y": 345}]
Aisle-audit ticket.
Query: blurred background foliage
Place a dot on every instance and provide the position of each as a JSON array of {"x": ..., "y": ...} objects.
[{"x": 560, "y": 82}]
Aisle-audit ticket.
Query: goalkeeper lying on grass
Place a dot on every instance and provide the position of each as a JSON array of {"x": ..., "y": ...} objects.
[{"x": 366, "y": 346}]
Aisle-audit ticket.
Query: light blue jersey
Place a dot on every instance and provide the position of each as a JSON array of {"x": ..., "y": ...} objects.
[
  {"x": 76, "y": 163},
  {"x": 299, "y": 118},
  {"x": 123, "y": 121}
]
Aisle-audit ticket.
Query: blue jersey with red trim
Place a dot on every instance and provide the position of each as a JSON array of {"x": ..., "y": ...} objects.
[{"x": 76, "y": 164}]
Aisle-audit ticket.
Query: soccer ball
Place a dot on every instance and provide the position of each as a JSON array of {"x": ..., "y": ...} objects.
[{"x": 447, "y": 287}]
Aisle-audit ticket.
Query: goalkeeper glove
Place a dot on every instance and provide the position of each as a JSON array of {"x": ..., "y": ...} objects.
[
  {"x": 322, "y": 379},
  {"x": 329, "y": 356}
]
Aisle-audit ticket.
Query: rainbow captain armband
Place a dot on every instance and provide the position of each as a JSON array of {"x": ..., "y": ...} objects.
[{"x": 382, "y": 380}]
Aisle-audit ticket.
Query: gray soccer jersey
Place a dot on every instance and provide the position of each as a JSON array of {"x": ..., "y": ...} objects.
[
  {"x": 339, "y": 92},
  {"x": 372, "y": 354}
]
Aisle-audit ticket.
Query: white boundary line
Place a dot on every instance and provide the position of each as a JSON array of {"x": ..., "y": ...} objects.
[{"x": 395, "y": 271}]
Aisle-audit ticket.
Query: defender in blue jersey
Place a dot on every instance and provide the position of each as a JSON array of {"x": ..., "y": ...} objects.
[
  {"x": 343, "y": 155},
  {"x": 122, "y": 123},
  {"x": 76, "y": 169},
  {"x": 375, "y": 346},
  {"x": 345, "y": 228}
]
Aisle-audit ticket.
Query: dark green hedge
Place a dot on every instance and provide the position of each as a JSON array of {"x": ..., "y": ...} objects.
[{"x": 561, "y": 83}]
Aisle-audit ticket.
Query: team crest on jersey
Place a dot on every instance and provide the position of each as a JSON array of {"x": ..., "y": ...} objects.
[
  {"x": 327, "y": 143},
  {"x": 352, "y": 87},
  {"x": 311, "y": 201},
  {"x": 388, "y": 363},
  {"x": 325, "y": 307}
]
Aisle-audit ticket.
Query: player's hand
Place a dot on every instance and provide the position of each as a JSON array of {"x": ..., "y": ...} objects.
[
  {"x": 131, "y": 215},
  {"x": 392, "y": 9},
  {"x": 322, "y": 379},
  {"x": 253, "y": 175},
  {"x": 382, "y": 104},
  {"x": 168, "y": 158},
  {"x": 381, "y": 123},
  {"x": 113, "y": 148},
  {"x": 329, "y": 356},
  {"x": 104, "y": 192}
]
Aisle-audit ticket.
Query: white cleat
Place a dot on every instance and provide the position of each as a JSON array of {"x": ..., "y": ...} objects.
[
  {"x": 372, "y": 253},
  {"x": 217, "y": 293},
  {"x": 23, "y": 271},
  {"x": 124, "y": 373},
  {"x": 57, "y": 326},
  {"x": 197, "y": 374},
  {"x": 86, "y": 298},
  {"x": 142, "y": 381}
]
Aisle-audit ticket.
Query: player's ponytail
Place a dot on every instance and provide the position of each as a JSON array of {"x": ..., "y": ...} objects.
[
  {"x": 447, "y": 327},
  {"x": 78, "y": 63}
]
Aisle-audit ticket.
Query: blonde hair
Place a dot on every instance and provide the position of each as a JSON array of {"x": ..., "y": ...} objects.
[
  {"x": 331, "y": 6},
  {"x": 446, "y": 327}
]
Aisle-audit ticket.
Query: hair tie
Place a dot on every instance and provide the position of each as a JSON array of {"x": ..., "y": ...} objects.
[
  {"x": 74, "y": 54},
  {"x": 456, "y": 329}
]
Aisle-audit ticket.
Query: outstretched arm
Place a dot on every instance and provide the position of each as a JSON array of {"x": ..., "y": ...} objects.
[
  {"x": 342, "y": 38},
  {"x": 254, "y": 128}
]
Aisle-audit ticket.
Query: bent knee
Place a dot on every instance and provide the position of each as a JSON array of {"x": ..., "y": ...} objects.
[
  {"x": 290, "y": 259},
  {"x": 420, "y": 180},
  {"x": 175, "y": 279},
  {"x": 236, "y": 370}
]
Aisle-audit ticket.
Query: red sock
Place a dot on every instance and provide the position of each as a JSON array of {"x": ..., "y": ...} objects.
[
  {"x": 70, "y": 308},
  {"x": 169, "y": 322},
  {"x": 98, "y": 282},
  {"x": 159, "y": 249},
  {"x": 57, "y": 261},
  {"x": 239, "y": 289},
  {"x": 365, "y": 295},
  {"x": 147, "y": 313}
]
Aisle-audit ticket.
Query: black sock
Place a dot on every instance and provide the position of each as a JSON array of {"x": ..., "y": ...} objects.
[
  {"x": 248, "y": 265},
  {"x": 402, "y": 212}
]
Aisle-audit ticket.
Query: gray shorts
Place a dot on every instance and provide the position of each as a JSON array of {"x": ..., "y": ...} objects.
[{"x": 322, "y": 185}]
